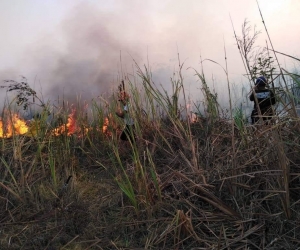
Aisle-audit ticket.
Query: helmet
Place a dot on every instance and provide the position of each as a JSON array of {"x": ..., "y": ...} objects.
[{"x": 261, "y": 81}]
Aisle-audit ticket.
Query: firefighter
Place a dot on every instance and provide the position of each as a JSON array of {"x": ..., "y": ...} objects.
[
  {"x": 265, "y": 99},
  {"x": 128, "y": 132}
]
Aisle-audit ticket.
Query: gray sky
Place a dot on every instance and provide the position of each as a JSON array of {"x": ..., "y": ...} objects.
[{"x": 73, "y": 47}]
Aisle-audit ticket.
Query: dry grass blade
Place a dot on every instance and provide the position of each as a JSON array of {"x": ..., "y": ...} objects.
[
  {"x": 211, "y": 198},
  {"x": 245, "y": 235},
  {"x": 70, "y": 242},
  {"x": 11, "y": 191},
  {"x": 284, "y": 180},
  {"x": 181, "y": 229}
]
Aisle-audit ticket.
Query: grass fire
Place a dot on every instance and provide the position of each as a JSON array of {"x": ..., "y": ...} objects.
[
  {"x": 13, "y": 125},
  {"x": 138, "y": 169}
]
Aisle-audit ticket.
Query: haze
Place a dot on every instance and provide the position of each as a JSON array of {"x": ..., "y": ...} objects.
[{"x": 74, "y": 48}]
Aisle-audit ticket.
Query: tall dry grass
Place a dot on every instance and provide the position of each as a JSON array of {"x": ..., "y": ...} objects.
[
  {"x": 178, "y": 186},
  {"x": 213, "y": 183}
]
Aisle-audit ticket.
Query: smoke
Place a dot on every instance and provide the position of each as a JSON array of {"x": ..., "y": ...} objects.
[
  {"x": 88, "y": 55},
  {"x": 93, "y": 47}
]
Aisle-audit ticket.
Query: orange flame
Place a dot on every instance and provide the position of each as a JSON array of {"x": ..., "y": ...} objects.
[
  {"x": 17, "y": 126},
  {"x": 69, "y": 128},
  {"x": 109, "y": 125},
  {"x": 105, "y": 125},
  {"x": 12, "y": 126}
]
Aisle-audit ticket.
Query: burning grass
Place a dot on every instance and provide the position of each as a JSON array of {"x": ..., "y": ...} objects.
[
  {"x": 12, "y": 125},
  {"x": 179, "y": 186},
  {"x": 207, "y": 183}
]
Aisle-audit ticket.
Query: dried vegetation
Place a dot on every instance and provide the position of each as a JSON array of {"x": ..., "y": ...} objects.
[{"x": 212, "y": 183}]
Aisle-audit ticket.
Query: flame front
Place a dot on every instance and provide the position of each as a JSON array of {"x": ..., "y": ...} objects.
[
  {"x": 69, "y": 128},
  {"x": 12, "y": 126}
]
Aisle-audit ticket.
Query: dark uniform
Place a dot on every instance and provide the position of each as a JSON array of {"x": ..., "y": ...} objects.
[{"x": 265, "y": 98}]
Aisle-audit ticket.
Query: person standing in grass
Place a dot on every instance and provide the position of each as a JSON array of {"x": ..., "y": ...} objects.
[
  {"x": 265, "y": 99},
  {"x": 128, "y": 132}
]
